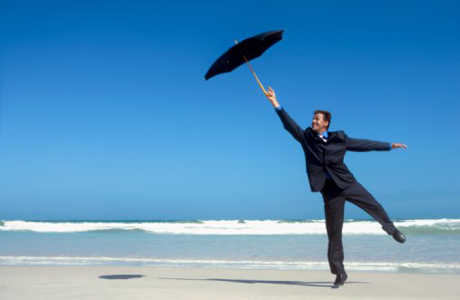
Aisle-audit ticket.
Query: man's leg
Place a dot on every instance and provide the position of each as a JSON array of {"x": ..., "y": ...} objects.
[
  {"x": 334, "y": 208},
  {"x": 359, "y": 196}
]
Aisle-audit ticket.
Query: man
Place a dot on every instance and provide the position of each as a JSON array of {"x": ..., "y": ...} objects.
[{"x": 327, "y": 173}]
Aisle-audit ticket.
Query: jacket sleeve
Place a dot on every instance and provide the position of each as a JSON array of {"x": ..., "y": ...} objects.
[
  {"x": 361, "y": 145},
  {"x": 290, "y": 125}
]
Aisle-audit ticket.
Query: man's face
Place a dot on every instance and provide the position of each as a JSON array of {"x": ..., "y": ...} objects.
[{"x": 318, "y": 124}]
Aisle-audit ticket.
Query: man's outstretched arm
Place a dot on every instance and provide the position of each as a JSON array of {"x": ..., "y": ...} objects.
[{"x": 289, "y": 124}]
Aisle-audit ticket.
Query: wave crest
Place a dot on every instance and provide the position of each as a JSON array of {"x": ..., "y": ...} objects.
[{"x": 235, "y": 227}]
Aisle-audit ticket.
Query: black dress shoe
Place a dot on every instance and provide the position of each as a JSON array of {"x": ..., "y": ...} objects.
[
  {"x": 340, "y": 279},
  {"x": 399, "y": 236}
]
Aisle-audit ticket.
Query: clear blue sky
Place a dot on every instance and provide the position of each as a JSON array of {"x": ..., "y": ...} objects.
[{"x": 105, "y": 113}]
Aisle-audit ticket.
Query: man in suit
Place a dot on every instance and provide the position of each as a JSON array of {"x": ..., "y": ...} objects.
[{"x": 328, "y": 174}]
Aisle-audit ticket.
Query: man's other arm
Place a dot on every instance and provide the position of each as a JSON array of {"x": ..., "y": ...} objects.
[{"x": 361, "y": 145}]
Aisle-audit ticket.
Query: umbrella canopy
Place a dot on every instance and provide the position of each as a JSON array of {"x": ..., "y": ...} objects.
[{"x": 244, "y": 51}]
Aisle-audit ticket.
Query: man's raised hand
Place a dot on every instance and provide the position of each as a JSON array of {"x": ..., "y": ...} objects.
[{"x": 271, "y": 96}]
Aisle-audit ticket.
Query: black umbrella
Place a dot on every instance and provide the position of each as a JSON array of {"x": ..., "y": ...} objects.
[{"x": 243, "y": 52}]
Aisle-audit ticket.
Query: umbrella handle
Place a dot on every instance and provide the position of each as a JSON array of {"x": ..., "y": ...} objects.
[
  {"x": 255, "y": 76},
  {"x": 253, "y": 73}
]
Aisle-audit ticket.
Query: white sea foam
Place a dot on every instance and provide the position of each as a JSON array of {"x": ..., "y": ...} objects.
[
  {"x": 239, "y": 264},
  {"x": 235, "y": 227}
]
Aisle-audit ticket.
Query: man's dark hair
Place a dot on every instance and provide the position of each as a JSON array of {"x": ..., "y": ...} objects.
[{"x": 326, "y": 116}]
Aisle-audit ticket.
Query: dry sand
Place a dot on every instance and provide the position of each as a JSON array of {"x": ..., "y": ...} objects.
[{"x": 139, "y": 283}]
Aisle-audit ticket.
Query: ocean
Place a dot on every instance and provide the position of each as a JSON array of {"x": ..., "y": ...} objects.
[{"x": 432, "y": 245}]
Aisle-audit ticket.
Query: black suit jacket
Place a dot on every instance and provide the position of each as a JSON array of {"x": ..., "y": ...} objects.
[{"x": 327, "y": 157}]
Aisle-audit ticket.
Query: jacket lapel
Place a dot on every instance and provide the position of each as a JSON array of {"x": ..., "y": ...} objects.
[
  {"x": 315, "y": 136},
  {"x": 332, "y": 136}
]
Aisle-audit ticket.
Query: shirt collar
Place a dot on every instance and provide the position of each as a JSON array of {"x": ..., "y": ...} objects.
[{"x": 325, "y": 134}]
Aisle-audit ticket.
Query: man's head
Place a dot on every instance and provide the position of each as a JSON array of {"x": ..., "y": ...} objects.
[{"x": 321, "y": 121}]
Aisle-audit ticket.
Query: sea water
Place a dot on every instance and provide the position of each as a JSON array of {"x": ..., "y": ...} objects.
[{"x": 432, "y": 245}]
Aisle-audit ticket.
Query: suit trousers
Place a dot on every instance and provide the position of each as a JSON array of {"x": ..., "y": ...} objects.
[{"x": 334, "y": 208}]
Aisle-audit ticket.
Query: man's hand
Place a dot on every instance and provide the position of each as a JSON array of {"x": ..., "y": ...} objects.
[
  {"x": 396, "y": 145},
  {"x": 272, "y": 97}
]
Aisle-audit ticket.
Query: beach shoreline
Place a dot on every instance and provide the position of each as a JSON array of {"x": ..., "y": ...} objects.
[{"x": 115, "y": 282}]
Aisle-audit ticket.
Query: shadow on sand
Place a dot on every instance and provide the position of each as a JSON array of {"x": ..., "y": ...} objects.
[
  {"x": 121, "y": 276},
  {"x": 325, "y": 284}
]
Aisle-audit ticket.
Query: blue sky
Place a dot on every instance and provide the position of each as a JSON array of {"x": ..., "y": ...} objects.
[{"x": 105, "y": 114}]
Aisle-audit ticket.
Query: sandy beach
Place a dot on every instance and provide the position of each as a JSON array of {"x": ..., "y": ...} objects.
[{"x": 192, "y": 283}]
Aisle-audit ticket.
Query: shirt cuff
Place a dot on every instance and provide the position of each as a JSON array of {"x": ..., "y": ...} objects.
[
  {"x": 390, "y": 147},
  {"x": 280, "y": 108}
]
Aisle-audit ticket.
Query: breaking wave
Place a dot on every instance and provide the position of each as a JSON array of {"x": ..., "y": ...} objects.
[{"x": 234, "y": 227}]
